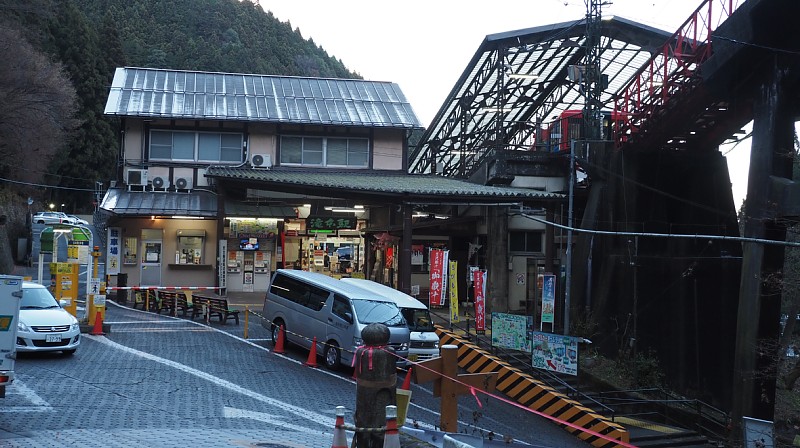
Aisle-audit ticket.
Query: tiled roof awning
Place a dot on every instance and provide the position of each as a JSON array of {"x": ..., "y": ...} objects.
[
  {"x": 378, "y": 183},
  {"x": 157, "y": 93},
  {"x": 200, "y": 204}
]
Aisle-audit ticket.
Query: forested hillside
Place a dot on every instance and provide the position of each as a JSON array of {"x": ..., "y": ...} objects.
[{"x": 59, "y": 59}]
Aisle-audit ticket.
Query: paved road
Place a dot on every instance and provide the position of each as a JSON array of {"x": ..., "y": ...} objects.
[{"x": 157, "y": 381}]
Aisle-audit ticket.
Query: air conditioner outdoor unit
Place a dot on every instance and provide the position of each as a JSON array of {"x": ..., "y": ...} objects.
[
  {"x": 183, "y": 183},
  {"x": 261, "y": 160},
  {"x": 136, "y": 177},
  {"x": 160, "y": 183}
]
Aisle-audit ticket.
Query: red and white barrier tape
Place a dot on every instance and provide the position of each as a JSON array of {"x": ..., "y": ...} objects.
[{"x": 116, "y": 288}]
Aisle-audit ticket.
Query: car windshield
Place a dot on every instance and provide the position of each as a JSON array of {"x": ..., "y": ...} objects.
[
  {"x": 37, "y": 298},
  {"x": 418, "y": 319},
  {"x": 378, "y": 312}
]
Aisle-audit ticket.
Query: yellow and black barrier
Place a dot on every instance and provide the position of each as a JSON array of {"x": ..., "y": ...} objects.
[{"x": 537, "y": 396}]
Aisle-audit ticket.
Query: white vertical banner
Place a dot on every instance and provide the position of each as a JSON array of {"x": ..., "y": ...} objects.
[{"x": 222, "y": 264}]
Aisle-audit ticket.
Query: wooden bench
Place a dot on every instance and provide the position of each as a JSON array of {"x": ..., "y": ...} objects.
[
  {"x": 213, "y": 306},
  {"x": 143, "y": 299},
  {"x": 173, "y": 301}
]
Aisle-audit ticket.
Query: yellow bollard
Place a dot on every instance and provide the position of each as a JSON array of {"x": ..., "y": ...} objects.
[{"x": 246, "y": 315}]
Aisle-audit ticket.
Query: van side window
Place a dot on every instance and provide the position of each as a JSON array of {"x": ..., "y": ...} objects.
[
  {"x": 341, "y": 308},
  {"x": 289, "y": 289},
  {"x": 316, "y": 297},
  {"x": 299, "y": 292}
]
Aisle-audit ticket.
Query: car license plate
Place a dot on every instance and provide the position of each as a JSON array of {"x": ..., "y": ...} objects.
[
  {"x": 53, "y": 338},
  {"x": 413, "y": 358}
]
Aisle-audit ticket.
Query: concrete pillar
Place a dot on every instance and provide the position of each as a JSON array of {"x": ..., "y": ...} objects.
[
  {"x": 497, "y": 259},
  {"x": 771, "y": 158}
]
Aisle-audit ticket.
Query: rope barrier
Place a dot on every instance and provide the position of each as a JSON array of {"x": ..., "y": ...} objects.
[
  {"x": 473, "y": 389},
  {"x": 167, "y": 288}
]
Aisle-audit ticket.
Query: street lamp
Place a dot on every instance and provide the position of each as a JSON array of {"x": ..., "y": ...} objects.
[
  {"x": 52, "y": 206},
  {"x": 62, "y": 207}
]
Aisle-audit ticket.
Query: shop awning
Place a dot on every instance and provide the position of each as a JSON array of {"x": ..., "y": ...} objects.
[
  {"x": 198, "y": 204},
  {"x": 249, "y": 210}
]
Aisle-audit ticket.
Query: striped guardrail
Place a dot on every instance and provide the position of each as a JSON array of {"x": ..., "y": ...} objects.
[{"x": 538, "y": 396}]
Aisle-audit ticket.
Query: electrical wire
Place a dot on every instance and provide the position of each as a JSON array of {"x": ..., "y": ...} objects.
[
  {"x": 660, "y": 235},
  {"x": 55, "y": 187}
]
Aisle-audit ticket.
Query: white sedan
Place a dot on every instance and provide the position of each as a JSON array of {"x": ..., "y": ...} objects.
[{"x": 44, "y": 326}]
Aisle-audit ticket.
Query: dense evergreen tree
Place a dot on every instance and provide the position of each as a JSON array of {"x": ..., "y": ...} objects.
[{"x": 90, "y": 38}]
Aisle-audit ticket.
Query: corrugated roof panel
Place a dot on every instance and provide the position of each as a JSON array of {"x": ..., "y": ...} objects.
[
  {"x": 316, "y": 90},
  {"x": 184, "y": 94},
  {"x": 333, "y": 110},
  {"x": 391, "y": 182},
  {"x": 326, "y": 88},
  {"x": 322, "y": 111}
]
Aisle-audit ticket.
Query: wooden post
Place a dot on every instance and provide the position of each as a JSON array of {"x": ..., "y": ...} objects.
[{"x": 448, "y": 384}]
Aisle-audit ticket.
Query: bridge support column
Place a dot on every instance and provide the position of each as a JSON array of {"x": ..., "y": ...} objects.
[{"x": 760, "y": 296}]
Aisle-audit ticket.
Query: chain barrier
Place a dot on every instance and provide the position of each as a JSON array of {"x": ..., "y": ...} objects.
[{"x": 347, "y": 427}]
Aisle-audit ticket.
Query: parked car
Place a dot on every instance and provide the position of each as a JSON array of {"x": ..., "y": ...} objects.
[
  {"x": 79, "y": 221},
  {"x": 52, "y": 218},
  {"x": 44, "y": 326}
]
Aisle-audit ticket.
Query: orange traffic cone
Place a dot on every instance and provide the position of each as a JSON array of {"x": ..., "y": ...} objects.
[
  {"x": 279, "y": 343},
  {"x": 339, "y": 436},
  {"x": 391, "y": 438},
  {"x": 98, "y": 325},
  {"x": 312, "y": 355},
  {"x": 407, "y": 380}
]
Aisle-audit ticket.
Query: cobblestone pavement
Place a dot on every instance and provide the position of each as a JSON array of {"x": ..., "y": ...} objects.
[{"x": 160, "y": 381}]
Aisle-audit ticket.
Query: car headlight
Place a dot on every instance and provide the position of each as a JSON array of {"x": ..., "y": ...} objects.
[
  {"x": 358, "y": 342},
  {"x": 404, "y": 346},
  {"x": 75, "y": 326},
  {"x": 22, "y": 327}
]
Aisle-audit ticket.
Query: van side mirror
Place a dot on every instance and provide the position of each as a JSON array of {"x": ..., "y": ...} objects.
[{"x": 348, "y": 316}]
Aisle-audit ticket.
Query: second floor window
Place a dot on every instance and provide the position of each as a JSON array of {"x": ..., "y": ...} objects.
[
  {"x": 325, "y": 151},
  {"x": 192, "y": 146}
]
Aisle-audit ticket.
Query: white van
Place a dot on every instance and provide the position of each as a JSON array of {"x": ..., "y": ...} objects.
[
  {"x": 309, "y": 304},
  {"x": 424, "y": 340}
]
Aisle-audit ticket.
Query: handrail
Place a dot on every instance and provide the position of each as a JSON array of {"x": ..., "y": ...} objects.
[{"x": 670, "y": 72}]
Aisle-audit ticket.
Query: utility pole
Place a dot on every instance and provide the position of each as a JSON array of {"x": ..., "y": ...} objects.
[{"x": 592, "y": 88}]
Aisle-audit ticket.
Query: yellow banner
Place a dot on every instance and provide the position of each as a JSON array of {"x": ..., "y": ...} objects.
[{"x": 451, "y": 281}]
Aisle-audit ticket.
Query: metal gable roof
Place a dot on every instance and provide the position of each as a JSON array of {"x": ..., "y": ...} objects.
[
  {"x": 147, "y": 92},
  {"x": 518, "y": 81},
  {"x": 378, "y": 182},
  {"x": 197, "y": 203}
]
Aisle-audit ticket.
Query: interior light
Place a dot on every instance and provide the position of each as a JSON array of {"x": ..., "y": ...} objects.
[
  {"x": 307, "y": 205},
  {"x": 185, "y": 217}
]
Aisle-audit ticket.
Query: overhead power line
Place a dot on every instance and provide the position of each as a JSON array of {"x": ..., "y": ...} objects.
[{"x": 661, "y": 235}]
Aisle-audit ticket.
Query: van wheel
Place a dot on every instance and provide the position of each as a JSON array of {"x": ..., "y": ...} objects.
[
  {"x": 276, "y": 330},
  {"x": 333, "y": 355}
]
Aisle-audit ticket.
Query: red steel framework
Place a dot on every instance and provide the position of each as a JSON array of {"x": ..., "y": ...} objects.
[{"x": 671, "y": 73}]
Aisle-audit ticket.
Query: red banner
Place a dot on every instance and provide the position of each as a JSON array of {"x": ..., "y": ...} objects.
[
  {"x": 436, "y": 291},
  {"x": 479, "y": 283}
]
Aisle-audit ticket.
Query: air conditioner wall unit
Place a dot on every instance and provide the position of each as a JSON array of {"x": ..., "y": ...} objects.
[
  {"x": 160, "y": 183},
  {"x": 136, "y": 177},
  {"x": 183, "y": 183},
  {"x": 261, "y": 160}
]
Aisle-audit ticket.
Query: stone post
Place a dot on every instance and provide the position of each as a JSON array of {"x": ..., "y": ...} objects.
[{"x": 376, "y": 384}]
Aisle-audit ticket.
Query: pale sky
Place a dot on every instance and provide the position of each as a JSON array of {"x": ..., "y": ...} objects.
[{"x": 424, "y": 46}]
